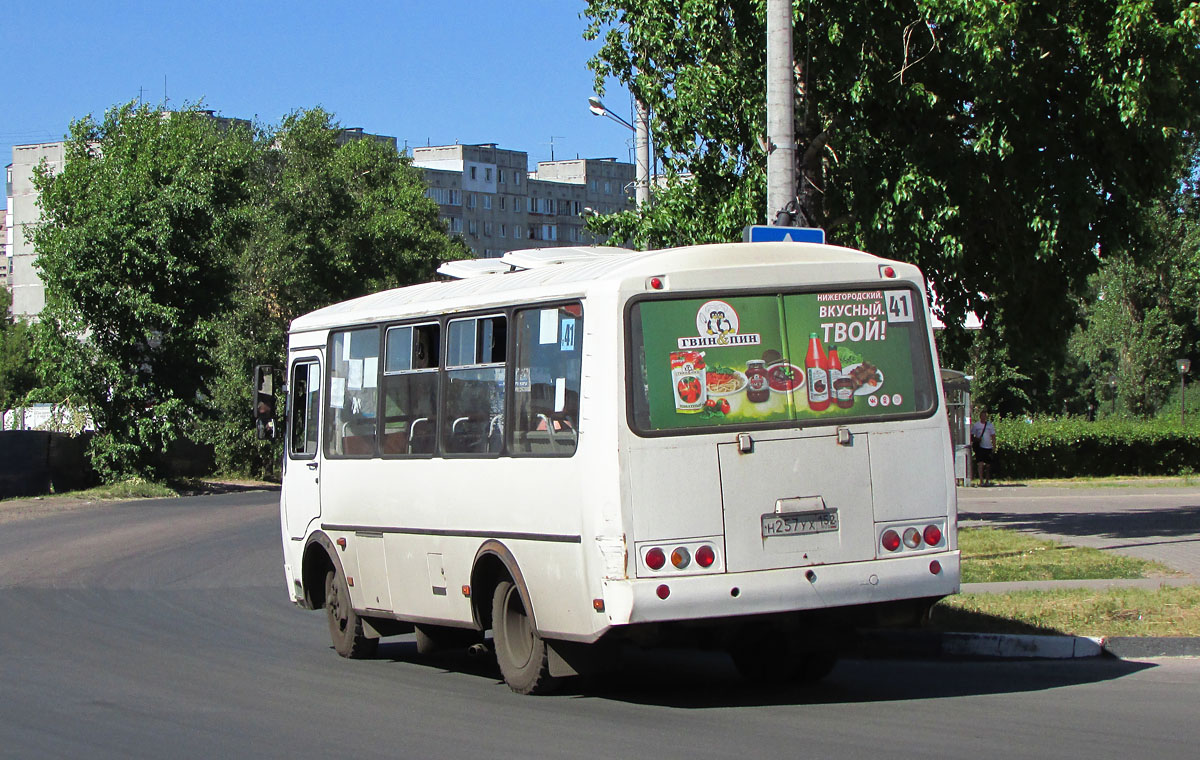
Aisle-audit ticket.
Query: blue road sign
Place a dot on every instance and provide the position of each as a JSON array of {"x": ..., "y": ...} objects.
[{"x": 761, "y": 233}]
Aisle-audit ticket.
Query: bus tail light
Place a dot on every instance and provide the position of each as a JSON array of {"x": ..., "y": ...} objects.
[
  {"x": 681, "y": 558},
  {"x": 933, "y": 535},
  {"x": 935, "y": 567},
  {"x": 663, "y": 591},
  {"x": 705, "y": 556},
  {"x": 912, "y": 538},
  {"x": 891, "y": 540},
  {"x": 655, "y": 559}
]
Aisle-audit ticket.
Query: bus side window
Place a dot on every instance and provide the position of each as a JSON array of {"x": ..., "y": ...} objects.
[
  {"x": 473, "y": 408},
  {"x": 351, "y": 414},
  {"x": 304, "y": 404},
  {"x": 546, "y": 381},
  {"x": 410, "y": 388}
]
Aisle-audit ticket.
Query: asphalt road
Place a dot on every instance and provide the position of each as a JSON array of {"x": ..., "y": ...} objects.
[
  {"x": 162, "y": 629},
  {"x": 1160, "y": 524}
]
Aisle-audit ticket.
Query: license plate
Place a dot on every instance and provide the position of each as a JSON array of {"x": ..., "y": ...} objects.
[{"x": 799, "y": 523}]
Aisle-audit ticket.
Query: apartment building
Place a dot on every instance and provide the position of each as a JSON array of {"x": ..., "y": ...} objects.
[
  {"x": 5, "y": 261},
  {"x": 25, "y": 284},
  {"x": 488, "y": 196}
]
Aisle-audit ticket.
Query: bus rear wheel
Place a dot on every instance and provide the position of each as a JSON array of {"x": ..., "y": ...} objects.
[
  {"x": 345, "y": 626},
  {"x": 521, "y": 652}
]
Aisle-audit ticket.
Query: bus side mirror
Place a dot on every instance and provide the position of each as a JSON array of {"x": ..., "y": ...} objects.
[{"x": 264, "y": 401}]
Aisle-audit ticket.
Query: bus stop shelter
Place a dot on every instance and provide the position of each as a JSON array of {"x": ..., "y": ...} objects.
[{"x": 957, "y": 387}]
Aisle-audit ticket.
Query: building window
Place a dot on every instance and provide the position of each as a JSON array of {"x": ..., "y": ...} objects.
[
  {"x": 608, "y": 188},
  {"x": 456, "y": 224},
  {"x": 501, "y": 202},
  {"x": 487, "y": 201},
  {"x": 473, "y": 228},
  {"x": 549, "y": 232},
  {"x": 487, "y": 174},
  {"x": 503, "y": 229},
  {"x": 500, "y": 175},
  {"x": 472, "y": 172},
  {"x": 487, "y": 229},
  {"x": 517, "y": 178},
  {"x": 470, "y": 200},
  {"x": 516, "y": 232}
]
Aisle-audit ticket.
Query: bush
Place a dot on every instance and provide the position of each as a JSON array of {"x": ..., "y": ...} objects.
[{"x": 1071, "y": 446}]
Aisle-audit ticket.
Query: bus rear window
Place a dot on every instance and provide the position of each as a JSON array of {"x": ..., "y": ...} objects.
[{"x": 778, "y": 359}]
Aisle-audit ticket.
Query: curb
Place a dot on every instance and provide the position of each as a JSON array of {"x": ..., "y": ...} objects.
[{"x": 930, "y": 644}]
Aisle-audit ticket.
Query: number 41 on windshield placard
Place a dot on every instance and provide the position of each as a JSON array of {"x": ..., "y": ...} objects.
[{"x": 899, "y": 305}]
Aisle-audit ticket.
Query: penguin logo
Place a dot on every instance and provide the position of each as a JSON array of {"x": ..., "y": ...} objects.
[{"x": 717, "y": 319}]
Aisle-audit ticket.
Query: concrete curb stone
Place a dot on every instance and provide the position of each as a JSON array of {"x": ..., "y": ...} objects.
[{"x": 932, "y": 644}]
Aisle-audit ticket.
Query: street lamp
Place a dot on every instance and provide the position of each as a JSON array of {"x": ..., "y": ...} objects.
[
  {"x": 1183, "y": 365},
  {"x": 641, "y": 140},
  {"x": 597, "y": 108}
]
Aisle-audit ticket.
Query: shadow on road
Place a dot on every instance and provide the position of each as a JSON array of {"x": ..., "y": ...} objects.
[
  {"x": 694, "y": 679},
  {"x": 1135, "y": 523}
]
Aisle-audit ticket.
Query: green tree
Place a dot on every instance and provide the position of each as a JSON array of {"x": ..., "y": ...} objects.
[
  {"x": 330, "y": 222},
  {"x": 998, "y": 144},
  {"x": 1138, "y": 316},
  {"x": 133, "y": 249},
  {"x": 17, "y": 376},
  {"x": 176, "y": 251}
]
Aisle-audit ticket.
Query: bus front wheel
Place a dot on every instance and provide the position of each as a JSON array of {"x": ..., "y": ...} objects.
[
  {"x": 520, "y": 652},
  {"x": 345, "y": 626}
]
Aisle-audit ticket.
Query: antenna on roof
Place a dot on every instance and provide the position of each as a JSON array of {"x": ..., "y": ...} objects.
[{"x": 551, "y": 143}]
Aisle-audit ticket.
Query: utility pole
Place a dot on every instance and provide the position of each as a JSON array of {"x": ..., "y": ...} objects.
[
  {"x": 781, "y": 114},
  {"x": 642, "y": 145}
]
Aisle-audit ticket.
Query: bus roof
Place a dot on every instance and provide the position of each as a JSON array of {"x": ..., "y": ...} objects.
[{"x": 553, "y": 274}]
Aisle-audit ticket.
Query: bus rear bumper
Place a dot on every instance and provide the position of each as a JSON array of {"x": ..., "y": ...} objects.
[{"x": 700, "y": 597}]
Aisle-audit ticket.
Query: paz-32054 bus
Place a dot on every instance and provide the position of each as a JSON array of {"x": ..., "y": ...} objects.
[{"x": 742, "y": 446}]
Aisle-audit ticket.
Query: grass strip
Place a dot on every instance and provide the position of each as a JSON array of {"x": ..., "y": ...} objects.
[
  {"x": 992, "y": 555},
  {"x": 1167, "y": 611},
  {"x": 134, "y": 488}
]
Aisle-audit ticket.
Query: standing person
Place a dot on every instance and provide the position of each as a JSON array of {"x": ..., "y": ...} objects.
[{"x": 983, "y": 444}]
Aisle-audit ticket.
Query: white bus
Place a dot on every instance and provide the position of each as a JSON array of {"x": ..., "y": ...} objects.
[{"x": 740, "y": 446}]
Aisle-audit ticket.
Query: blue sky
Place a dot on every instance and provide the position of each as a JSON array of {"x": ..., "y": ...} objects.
[{"x": 514, "y": 73}]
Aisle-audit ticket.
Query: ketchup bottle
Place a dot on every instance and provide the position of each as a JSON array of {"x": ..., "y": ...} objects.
[{"x": 816, "y": 365}]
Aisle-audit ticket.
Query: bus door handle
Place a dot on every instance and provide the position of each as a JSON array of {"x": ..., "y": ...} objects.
[{"x": 311, "y": 465}]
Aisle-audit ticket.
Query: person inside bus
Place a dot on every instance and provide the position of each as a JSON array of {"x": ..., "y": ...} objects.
[{"x": 983, "y": 445}]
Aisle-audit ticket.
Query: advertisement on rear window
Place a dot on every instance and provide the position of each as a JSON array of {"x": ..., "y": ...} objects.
[{"x": 774, "y": 358}]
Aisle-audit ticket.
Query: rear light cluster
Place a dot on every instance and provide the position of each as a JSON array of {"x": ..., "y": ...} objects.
[
  {"x": 689, "y": 556},
  {"x": 912, "y": 538}
]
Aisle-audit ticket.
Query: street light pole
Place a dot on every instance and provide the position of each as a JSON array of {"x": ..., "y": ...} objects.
[
  {"x": 781, "y": 114},
  {"x": 1183, "y": 365},
  {"x": 641, "y": 141}
]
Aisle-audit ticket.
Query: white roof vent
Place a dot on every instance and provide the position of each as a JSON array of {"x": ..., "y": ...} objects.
[
  {"x": 532, "y": 258},
  {"x": 473, "y": 268}
]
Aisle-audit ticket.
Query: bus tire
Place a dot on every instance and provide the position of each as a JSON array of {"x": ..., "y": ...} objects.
[
  {"x": 345, "y": 626},
  {"x": 521, "y": 652}
]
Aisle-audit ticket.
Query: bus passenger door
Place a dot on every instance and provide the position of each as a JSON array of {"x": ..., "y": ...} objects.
[{"x": 302, "y": 461}]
